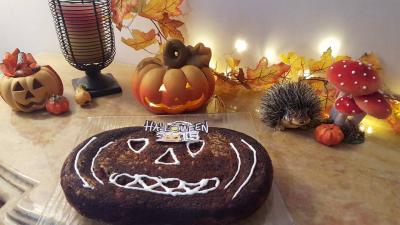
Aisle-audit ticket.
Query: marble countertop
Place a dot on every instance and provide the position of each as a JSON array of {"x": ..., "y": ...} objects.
[{"x": 347, "y": 184}]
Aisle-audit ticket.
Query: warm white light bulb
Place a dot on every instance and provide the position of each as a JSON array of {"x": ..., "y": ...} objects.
[
  {"x": 271, "y": 55},
  {"x": 240, "y": 45},
  {"x": 370, "y": 130},
  {"x": 330, "y": 42},
  {"x": 307, "y": 73}
]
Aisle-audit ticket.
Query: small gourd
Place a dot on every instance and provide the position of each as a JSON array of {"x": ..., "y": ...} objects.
[
  {"x": 82, "y": 97},
  {"x": 329, "y": 134},
  {"x": 216, "y": 105}
]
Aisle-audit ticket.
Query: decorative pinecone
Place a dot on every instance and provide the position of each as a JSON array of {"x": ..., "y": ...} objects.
[{"x": 352, "y": 133}]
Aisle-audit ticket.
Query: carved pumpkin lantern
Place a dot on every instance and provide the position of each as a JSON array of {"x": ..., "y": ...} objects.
[
  {"x": 181, "y": 81},
  {"x": 25, "y": 86}
]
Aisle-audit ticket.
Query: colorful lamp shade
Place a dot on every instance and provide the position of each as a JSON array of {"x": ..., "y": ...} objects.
[{"x": 86, "y": 38}]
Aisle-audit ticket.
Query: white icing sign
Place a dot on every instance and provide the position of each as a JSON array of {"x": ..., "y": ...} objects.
[{"x": 178, "y": 131}]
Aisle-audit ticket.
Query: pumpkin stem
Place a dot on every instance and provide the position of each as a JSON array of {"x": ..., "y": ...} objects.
[{"x": 175, "y": 54}]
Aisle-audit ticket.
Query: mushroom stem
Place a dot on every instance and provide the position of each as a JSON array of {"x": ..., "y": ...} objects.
[
  {"x": 340, "y": 119},
  {"x": 334, "y": 113},
  {"x": 358, "y": 118}
]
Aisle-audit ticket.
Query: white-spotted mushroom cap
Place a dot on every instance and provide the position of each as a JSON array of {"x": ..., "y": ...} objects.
[
  {"x": 347, "y": 106},
  {"x": 374, "y": 104},
  {"x": 353, "y": 77}
]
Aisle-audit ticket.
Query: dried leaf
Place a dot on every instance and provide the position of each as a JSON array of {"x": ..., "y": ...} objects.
[
  {"x": 394, "y": 118},
  {"x": 342, "y": 57},
  {"x": 296, "y": 62},
  {"x": 373, "y": 59},
  {"x": 140, "y": 39},
  {"x": 321, "y": 65},
  {"x": 240, "y": 75},
  {"x": 232, "y": 62},
  {"x": 326, "y": 92},
  {"x": 169, "y": 27},
  {"x": 129, "y": 16},
  {"x": 122, "y": 9},
  {"x": 264, "y": 76},
  {"x": 261, "y": 69},
  {"x": 155, "y": 9},
  {"x": 17, "y": 60}
]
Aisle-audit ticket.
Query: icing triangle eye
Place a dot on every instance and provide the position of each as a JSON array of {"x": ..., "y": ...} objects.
[
  {"x": 195, "y": 147},
  {"x": 134, "y": 144},
  {"x": 168, "y": 158}
]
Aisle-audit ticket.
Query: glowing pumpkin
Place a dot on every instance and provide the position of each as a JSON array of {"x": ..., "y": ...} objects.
[
  {"x": 181, "y": 81},
  {"x": 30, "y": 92}
]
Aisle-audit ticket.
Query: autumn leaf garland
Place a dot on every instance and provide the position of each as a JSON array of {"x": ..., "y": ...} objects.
[
  {"x": 159, "y": 12},
  {"x": 293, "y": 67}
]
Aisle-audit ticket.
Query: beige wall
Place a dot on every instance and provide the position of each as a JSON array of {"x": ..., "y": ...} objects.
[{"x": 276, "y": 25}]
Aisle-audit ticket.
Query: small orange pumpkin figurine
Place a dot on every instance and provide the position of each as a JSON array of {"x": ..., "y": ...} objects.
[
  {"x": 181, "y": 81},
  {"x": 329, "y": 134}
]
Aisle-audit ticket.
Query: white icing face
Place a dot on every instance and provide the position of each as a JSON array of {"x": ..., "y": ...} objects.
[
  {"x": 167, "y": 186},
  {"x": 138, "y": 182}
]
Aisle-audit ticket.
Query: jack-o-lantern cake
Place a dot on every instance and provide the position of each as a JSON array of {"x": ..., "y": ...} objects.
[{"x": 127, "y": 176}]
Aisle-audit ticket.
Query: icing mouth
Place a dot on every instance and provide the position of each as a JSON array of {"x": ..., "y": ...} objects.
[{"x": 165, "y": 186}]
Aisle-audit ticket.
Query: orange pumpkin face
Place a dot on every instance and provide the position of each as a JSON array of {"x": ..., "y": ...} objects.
[
  {"x": 29, "y": 93},
  {"x": 163, "y": 89},
  {"x": 329, "y": 134}
]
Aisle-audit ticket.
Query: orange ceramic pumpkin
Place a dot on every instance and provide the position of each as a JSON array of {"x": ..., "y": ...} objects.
[
  {"x": 329, "y": 134},
  {"x": 25, "y": 86},
  {"x": 30, "y": 93},
  {"x": 181, "y": 81}
]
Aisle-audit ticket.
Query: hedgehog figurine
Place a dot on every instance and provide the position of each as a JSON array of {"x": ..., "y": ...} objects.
[{"x": 290, "y": 105}]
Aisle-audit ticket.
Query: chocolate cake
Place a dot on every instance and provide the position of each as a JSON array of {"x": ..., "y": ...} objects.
[{"x": 124, "y": 176}]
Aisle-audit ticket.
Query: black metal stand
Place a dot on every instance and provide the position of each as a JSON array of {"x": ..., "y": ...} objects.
[
  {"x": 98, "y": 84},
  {"x": 86, "y": 37}
]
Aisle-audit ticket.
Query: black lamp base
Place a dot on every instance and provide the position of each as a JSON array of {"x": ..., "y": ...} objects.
[{"x": 98, "y": 85}]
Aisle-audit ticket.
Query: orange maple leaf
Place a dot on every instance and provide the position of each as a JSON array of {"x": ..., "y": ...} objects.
[
  {"x": 155, "y": 9},
  {"x": 232, "y": 62},
  {"x": 326, "y": 93},
  {"x": 394, "y": 118},
  {"x": 373, "y": 59},
  {"x": 267, "y": 73},
  {"x": 260, "y": 69},
  {"x": 140, "y": 39},
  {"x": 121, "y": 9},
  {"x": 169, "y": 27}
]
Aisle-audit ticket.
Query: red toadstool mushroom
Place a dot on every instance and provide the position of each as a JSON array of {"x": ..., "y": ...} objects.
[
  {"x": 347, "y": 107},
  {"x": 353, "y": 77},
  {"x": 359, "y": 85},
  {"x": 374, "y": 104}
]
